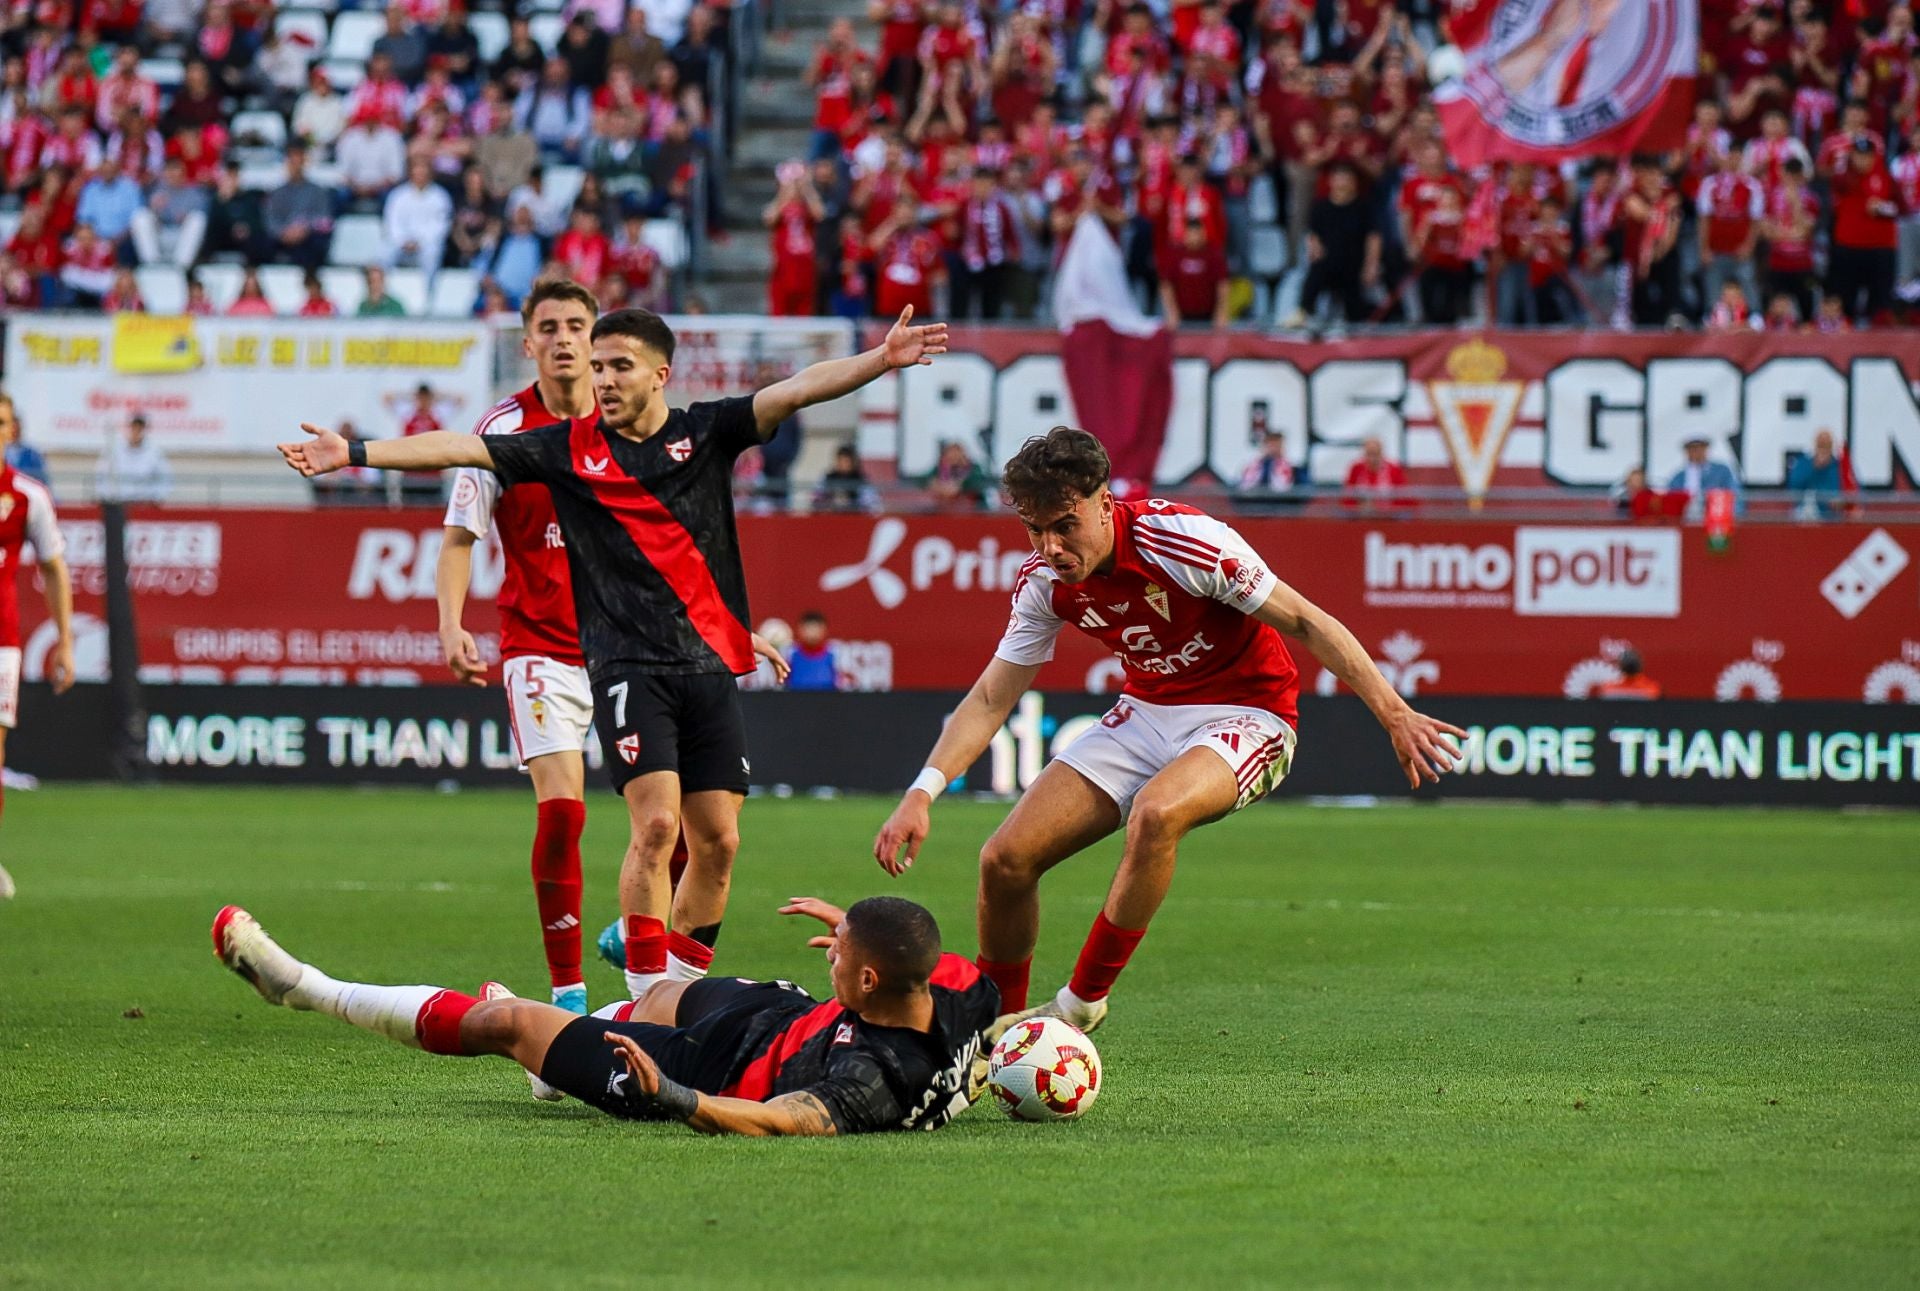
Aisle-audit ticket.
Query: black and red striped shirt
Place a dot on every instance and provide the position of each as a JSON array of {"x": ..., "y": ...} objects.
[
  {"x": 869, "y": 1077},
  {"x": 650, "y": 535}
]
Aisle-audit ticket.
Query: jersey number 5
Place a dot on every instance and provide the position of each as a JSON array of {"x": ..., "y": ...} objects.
[{"x": 618, "y": 694}]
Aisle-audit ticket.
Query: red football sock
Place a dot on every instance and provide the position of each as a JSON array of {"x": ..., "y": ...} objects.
[
  {"x": 689, "y": 951},
  {"x": 1010, "y": 978},
  {"x": 437, "y": 1026},
  {"x": 556, "y": 885},
  {"x": 646, "y": 944},
  {"x": 1105, "y": 953},
  {"x": 677, "y": 863}
]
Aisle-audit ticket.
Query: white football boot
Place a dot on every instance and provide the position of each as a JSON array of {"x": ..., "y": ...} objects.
[
  {"x": 541, "y": 1089},
  {"x": 243, "y": 945},
  {"x": 1086, "y": 1016}
]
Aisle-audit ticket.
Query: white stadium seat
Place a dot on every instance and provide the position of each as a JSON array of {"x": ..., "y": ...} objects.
[
  {"x": 344, "y": 73},
  {"x": 491, "y": 31},
  {"x": 163, "y": 288},
  {"x": 222, "y": 282},
  {"x": 545, "y": 28},
  {"x": 167, "y": 73},
  {"x": 358, "y": 240},
  {"x": 1262, "y": 204},
  {"x": 285, "y": 287},
  {"x": 561, "y": 184},
  {"x": 259, "y": 134},
  {"x": 307, "y": 25},
  {"x": 409, "y": 287},
  {"x": 1266, "y": 251},
  {"x": 346, "y": 288},
  {"x": 454, "y": 293},
  {"x": 262, "y": 176},
  {"x": 9, "y": 223},
  {"x": 354, "y": 33},
  {"x": 668, "y": 238}
]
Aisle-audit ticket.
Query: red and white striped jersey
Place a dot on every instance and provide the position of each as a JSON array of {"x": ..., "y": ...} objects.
[
  {"x": 536, "y": 595},
  {"x": 26, "y": 516},
  {"x": 1175, "y": 608}
]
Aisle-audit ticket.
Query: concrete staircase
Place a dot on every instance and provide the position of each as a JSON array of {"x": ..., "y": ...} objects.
[{"x": 776, "y": 123}]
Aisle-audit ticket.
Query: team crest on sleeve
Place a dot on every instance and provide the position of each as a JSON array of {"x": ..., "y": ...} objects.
[
  {"x": 680, "y": 449},
  {"x": 629, "y": 747},
  {"x": 464, "y": 493},
  {"x": 1161, "y": 603},
  {"x": 843, "y": 1034}
]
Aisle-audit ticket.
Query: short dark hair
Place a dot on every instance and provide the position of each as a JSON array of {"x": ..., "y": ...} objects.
[
  {"x": 642, "y": 325},
  {"x": 1055, "y": 470},
  {"x": 900, "y": 939},
  {"x": 557, "y": 289},
  {"x": 811, "y": 616},
  {"x": 1629, "y": 662}
]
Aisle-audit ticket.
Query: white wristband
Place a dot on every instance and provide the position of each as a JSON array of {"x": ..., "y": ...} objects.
[{"x": 930, "y": 782}]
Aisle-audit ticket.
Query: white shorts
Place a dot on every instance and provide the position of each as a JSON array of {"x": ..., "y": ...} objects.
[
  {"x": 9, "y": 685},
  {"x": 549, "y": 706},
  {"x": 1136, "y": 741}
]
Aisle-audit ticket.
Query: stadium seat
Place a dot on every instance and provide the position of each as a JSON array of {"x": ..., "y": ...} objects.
[
  {"x": 562, "y": 183},
  {"x": 545, "y": 28},
  {"x": 491, "y": 31},
  {"x": 346, "y": 288},
  {"x": 327, "y": 174},
  {"x": 262, "y": 176},
  {"x": 409, "y": 287},
  {"x": 1262, "y": 205},
  {"x": 163, "y": 288},
  {"x": 344, "y": 73},
  {"x": 668, "y": 238},
  {"x": 454, "y": 292},
  {"x": 167, "y": 73},
  {"x": 308, "y": 25},
  {"x": 1266, "y": 252},
  {"x": 260, "y": 134},
  {"x": 546, "y": 6},
  {"x": 358, "y": 240},
  {"x": 285, "y": 287},
  {"x": 222, "y": 282},
  {"x": 353, "y": 34}
]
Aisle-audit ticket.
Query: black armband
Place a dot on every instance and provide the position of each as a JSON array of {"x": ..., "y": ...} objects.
[
  {"x": 675, "y": 1100},
  {"x": 356, "y": 452}
]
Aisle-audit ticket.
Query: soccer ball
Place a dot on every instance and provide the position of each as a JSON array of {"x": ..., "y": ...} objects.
[{"x": 1044, "y": 1069}]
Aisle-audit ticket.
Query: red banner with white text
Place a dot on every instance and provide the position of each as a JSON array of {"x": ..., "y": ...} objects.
[{"x": 345, "y": 597}]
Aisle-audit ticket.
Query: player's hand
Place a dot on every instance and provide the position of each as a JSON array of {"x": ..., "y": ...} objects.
[
  {"x": 1426, "y": 746},
  {"x": 781, "y": 668},
  {"x": 904, "y": 831},
  {"x": 813, "y": 907},
  {"x": 646, "y": 1074},
  {"x": 325, "y": 452},
  {"x": 908, "y": 345},
  {"x": 60, "y": 668},
  {"x": 463, "y": 657}
]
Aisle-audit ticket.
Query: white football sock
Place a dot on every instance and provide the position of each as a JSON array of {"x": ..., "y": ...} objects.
[
  {"x": 639, "y": 984},
  {"x": 679, "y": 970},
  {"x": 1073, "y": 1006},
  {"x": 390, "y": 1011}
]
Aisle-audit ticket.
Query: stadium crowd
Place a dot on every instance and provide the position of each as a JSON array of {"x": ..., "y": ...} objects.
[
  {"x": 1227, "y": 144},
  {"x": 235, "y": 157}
]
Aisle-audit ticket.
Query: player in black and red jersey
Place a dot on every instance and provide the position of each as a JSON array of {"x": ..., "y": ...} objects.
[
  {"x": 892, "y": 1049},
  {"x": 644, "y": 501}
]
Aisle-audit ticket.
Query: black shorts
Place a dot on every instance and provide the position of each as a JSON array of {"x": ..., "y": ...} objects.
[
  {"x": 716, "y": 1019},
  {"x": 689, "y": 722}
]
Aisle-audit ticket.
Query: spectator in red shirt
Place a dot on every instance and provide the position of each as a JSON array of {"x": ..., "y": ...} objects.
[
  {"x": 252, "y": 301},
  {"x": 1517, "y": 210},
  {"x": 86, "y": 268},
  {"x": 35, "y": 250},
  {"x": 901, "y": 24},
  {"x": 124, "y": 296},
  {"x": 1549, "y": 256},
  {"x": 990, "y": 248},
  {"x": 1792, "y": 215},
  {"x": 1906, "y": 179},
  {"x": 952, "y": 72},
  {"x": 1861, "y": 261},
  {"x": 316, "y": 305},
  {"x": 1731, "y": 312},
  {"x": 1194, "y": 283},
  {"x": 583, "y": 249},
  {"x": 1438, "y": 247},
  {"x": 792, "y": 215},
  {"x": 1758, "y": 67},
  {"x": 831, "y": 77},
  {"x": 1782, "y": 314},
  {"x": 1373, "y": 480},
  {"x": 907, "y": 264},
  {"x": 1650, "y": 232},
  {"x": 1729, "y": 205}
]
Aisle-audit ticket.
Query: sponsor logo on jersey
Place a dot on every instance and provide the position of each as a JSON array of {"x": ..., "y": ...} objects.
[
  {"x": 1243, "y": 578},
  {"x": 594, "y": 465},
  {"x": 1176, "y": 661},
  {"x": 1122, "y": 607},
  {"x": 629, "y": 748},
  {"x": 555, "y": 539},
  {"x": 1855, "y": 581},
  {"x": 1159, "y": 601},
  {"x": 680, "y": 449},
  {"x": 1092, "y": 619}
]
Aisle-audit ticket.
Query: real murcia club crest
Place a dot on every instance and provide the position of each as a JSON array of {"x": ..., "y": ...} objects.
[
  {"x": 1475, "y": 408},
  {"x": 680, "y": 449},
  {"x": 1157, "y": 598}
]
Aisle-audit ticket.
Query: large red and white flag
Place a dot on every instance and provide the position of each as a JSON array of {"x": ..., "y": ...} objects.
[
  {"x": 1118, "y": 360},
  {"x": 1546, "y": 80}
]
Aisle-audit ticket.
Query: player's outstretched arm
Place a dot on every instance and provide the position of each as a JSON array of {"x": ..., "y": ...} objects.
[
  {"x": 327, "y": 452},
  {"x": 966, "y": 736},
  {"x": 59, "y": 594},
  {"x": 904, "y": 347},
  {"x": 1421, "y": 743},
  {"x": 796, "y": 1114},
  {"x": 452, "y": 575}
]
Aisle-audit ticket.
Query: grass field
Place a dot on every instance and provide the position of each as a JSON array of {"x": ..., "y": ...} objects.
[{"x": 1407, "y": 1047}]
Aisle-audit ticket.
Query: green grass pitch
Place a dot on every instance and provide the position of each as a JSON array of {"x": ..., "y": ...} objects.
[{"x": 1472, "y": 1047}]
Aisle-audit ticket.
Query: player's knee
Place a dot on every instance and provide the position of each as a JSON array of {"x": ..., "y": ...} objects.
[
  {"x": 716, "y": 848},
  {"x": 491, "y": 1026},
  {"x": 1156, "y": 820},
  {"x": 1001, "y": 866},
  {"x": 654, "y": 833}
]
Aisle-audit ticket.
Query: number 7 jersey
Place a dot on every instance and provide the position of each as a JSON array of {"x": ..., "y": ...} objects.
[{"x": 1175, "y": 607}]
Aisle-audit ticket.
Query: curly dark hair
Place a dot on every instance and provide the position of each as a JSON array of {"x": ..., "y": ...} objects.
[{"x": 1054, "y": 471}]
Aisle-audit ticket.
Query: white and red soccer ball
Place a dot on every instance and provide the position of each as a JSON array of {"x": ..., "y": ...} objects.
[{"x": 1044, "y": 1069}]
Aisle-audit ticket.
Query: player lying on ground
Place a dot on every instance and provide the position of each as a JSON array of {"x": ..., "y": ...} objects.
[
  {"x": 549, "y": 694},
  {"x": 26, "y": 516},
  {"x": 1204, "y": 725},
  {"x": 890, "y": 1051},
  {"x": 644, "y": 500}
]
